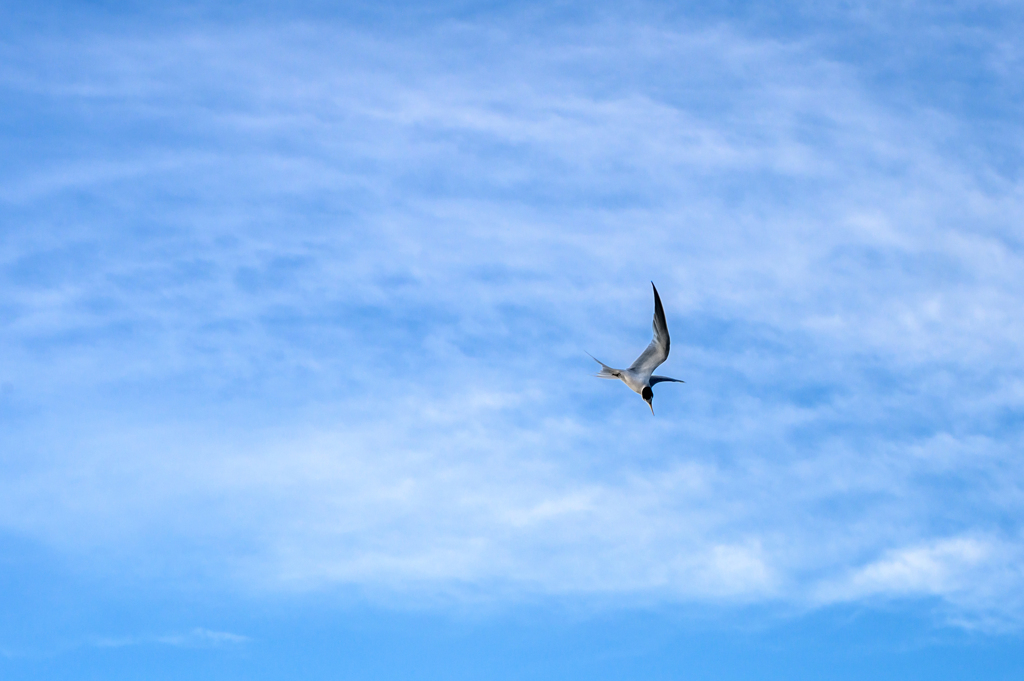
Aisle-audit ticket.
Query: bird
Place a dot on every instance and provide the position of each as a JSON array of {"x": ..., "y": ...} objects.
[{"x": 638, "y": 376}]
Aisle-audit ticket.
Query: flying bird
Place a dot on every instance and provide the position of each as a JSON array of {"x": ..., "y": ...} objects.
[{"x": 638, "y": 376}]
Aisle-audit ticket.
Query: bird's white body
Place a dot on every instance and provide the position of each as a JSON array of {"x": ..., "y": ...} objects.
[
  {"x": 635, "y": 380},
  {"x": 639, "y": 376}
]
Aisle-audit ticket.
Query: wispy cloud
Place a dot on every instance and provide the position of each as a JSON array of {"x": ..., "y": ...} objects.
[
  {"x": 196, "y": 638},
  {"x": 306, "y": 305},
  {"x": 974, "y": 576}
]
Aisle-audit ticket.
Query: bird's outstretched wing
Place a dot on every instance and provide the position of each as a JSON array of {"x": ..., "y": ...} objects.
[
  {"x": 657, "y": 351},
  {"x": 655, "y": 380}
]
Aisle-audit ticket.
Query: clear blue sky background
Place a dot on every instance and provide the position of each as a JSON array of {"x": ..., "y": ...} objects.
[{"x": 294, "y": 306}]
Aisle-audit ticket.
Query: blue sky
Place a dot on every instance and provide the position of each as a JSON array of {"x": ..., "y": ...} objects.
[{"x": 295, "y": 308}]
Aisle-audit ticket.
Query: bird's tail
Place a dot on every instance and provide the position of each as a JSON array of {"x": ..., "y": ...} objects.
[{"x": 606, "y": 371}]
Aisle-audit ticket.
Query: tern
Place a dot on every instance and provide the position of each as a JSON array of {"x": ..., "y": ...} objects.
[{"x": 638, "y": 376}]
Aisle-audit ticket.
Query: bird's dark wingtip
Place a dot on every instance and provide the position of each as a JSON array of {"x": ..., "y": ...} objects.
[{"x": 657, "y": 298}]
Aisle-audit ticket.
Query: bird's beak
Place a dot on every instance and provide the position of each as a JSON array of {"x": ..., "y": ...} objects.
[{"x": 651, "y": 405}]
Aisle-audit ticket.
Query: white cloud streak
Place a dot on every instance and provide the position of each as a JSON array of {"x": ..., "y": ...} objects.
[{"x": 196, "y": 638}]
